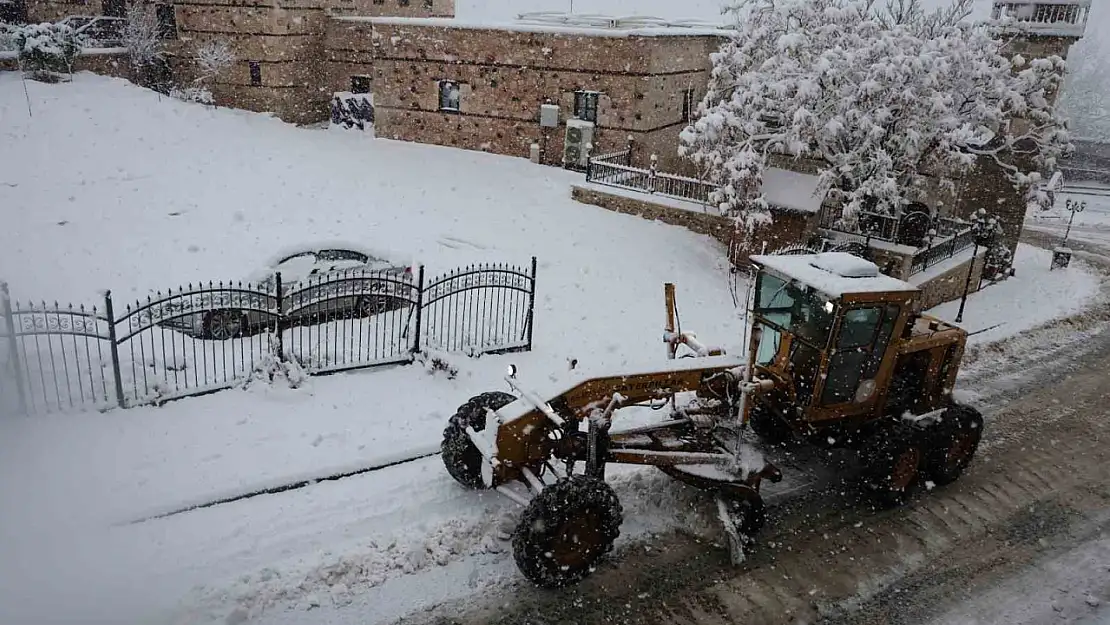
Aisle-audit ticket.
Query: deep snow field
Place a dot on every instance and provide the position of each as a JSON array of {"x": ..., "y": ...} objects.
[{"x": 111, "y": 186}]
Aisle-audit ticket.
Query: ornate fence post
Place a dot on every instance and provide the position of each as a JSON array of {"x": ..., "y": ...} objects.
[
  {"x": 531, "y": 304},
  {"x": 113, "y": 348},
  {"x": 419, "y": 310},
  {"x": 652, "y": 173},
  {"x": 589, "y": 162},
  {"x": 277, "y": 319},
  {"x": 17, "y": 368}
]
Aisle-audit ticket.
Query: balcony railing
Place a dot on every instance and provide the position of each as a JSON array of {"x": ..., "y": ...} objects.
[{"x": 1058, "y": 18}]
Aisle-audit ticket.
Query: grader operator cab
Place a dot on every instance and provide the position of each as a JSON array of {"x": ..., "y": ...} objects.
[{"x": 836, "y": 356}]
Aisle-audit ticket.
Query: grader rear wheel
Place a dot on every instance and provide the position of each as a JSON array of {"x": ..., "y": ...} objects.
[
  {"x": 461, "y": 458},
  {"x": 565, "y": 530},
  {"x": 894, "y": 460}
]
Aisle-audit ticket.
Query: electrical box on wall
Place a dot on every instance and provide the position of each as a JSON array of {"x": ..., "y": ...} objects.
[{"x": 549, "y": 115}]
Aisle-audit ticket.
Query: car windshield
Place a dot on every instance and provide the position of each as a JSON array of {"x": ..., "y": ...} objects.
[{"x": 786, "y": 306}]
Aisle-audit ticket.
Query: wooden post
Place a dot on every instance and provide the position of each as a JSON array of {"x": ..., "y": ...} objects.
[
  {"x": 17, "y": 369},
  {"x": 671, "y": 327}
]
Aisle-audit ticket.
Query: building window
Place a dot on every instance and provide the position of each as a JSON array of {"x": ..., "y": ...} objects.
[
  {"x": 360, "y": 84},
  {"x": 687, "y": 104},
  {"x": 585, "y": 105},
  {"x": 167, "y": 21},
  {"x": 429, "y": 4},
  {"x": 379, "y": 1},
  {"x": 449, "y": 96},
  {"x": 403, "y": 3},
  {"x": 256, "y": 73}
]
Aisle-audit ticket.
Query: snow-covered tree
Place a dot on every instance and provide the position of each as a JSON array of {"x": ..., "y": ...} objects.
[
  {"x": 212, "y": 59},
  {"x": 142, "y": 35},
  {"x": 880, "y": 97}
]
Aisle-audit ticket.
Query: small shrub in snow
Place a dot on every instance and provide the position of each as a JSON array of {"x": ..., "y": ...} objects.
[
  {"x": 142, "y": 35},
  {"x": 213, "y": 59},
  {"x": 437, "y": 362},
  {"x": 193, "y": 94},
  {"x": 7, "y": 37},
  {"x": 271, "y": 367},
  {"x": 47, "y": 50}
]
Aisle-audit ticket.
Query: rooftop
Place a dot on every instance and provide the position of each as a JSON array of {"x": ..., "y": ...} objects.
[{"x": 833, "y": 273}]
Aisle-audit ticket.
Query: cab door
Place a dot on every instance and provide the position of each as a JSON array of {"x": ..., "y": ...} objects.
[{"x": 864, "y": 334}]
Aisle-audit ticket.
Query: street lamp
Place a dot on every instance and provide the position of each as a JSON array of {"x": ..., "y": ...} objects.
[
  {"x": 1074, "y": 207},
  {"x": 983, "y": 229}
]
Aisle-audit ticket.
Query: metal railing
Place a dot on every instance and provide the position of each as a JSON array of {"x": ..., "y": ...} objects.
[
  {"x": 205, "y": 337},
  {"x": 615, "y": 170},
  {"x": 938, "y": 252},
  {"x": 1048, "y": 17},
  {"x": 875, "y": 225}
]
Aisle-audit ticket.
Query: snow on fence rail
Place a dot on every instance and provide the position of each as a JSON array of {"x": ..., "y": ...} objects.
[{"x": 206, "y": 337}]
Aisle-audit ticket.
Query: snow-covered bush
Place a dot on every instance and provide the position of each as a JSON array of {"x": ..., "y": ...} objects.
[
  {"x": 7, "y": 37},
  {"x": 142, "y": 35},
  {"x": 200, "y": 95},
  {"x": 47, "y": 50},
  {"x": 880, "y": 97},
  {"x": 271, "y": 367},
  {"x": 213, "y": 59}
]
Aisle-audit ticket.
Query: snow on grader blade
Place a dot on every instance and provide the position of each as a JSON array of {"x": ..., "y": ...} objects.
[{"x": 836, "y": 356}]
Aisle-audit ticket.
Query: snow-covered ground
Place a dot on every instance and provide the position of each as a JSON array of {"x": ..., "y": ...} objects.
[{"x": 149, "y": 192}]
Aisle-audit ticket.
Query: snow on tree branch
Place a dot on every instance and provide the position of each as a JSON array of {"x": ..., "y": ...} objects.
[
  {"x": 882, "y": 98},
  {"x": 142, "y": 35}
]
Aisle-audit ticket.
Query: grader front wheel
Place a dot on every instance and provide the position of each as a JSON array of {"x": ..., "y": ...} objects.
[
  {"x": 565, "y": 530},
  {"x": 461, "y": 458}
]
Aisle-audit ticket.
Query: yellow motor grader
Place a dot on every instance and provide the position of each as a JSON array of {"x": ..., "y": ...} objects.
[{"x": 837, "y": 356}]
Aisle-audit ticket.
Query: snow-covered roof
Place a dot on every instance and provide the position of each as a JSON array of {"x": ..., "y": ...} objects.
[
  {"x": 832, "y": 273},
  {"x": 791, "y": 190},
  {"x": 564, "y": 24}
]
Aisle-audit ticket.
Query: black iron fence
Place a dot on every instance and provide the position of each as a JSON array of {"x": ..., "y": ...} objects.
[
  {"x": 205, "y": 337},
  {"x": 615, "y": 170},
  {"x": 940, "y": 251}
]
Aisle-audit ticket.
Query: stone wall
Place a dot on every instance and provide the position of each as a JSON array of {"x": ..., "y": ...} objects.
[
  {"x": 115, "y": 65},
  {"x": 786, "y": 229},
  {"x": 949, "y": 285}
]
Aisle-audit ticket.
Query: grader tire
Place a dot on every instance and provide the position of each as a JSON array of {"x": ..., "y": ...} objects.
[
  {"x": 954, "y": 444},
  {"x": 565, "y": 530},
  {"x": 461, "y": 458},
  {"x": 894, "y": 460}
]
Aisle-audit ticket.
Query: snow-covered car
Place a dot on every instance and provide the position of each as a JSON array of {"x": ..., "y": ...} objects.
[
  {"x": 318, "y": 284},
  {"x": 97, "y": 31}
]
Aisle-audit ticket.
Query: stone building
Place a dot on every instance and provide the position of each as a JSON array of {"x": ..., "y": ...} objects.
[{"x": 604, "y": 82}]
